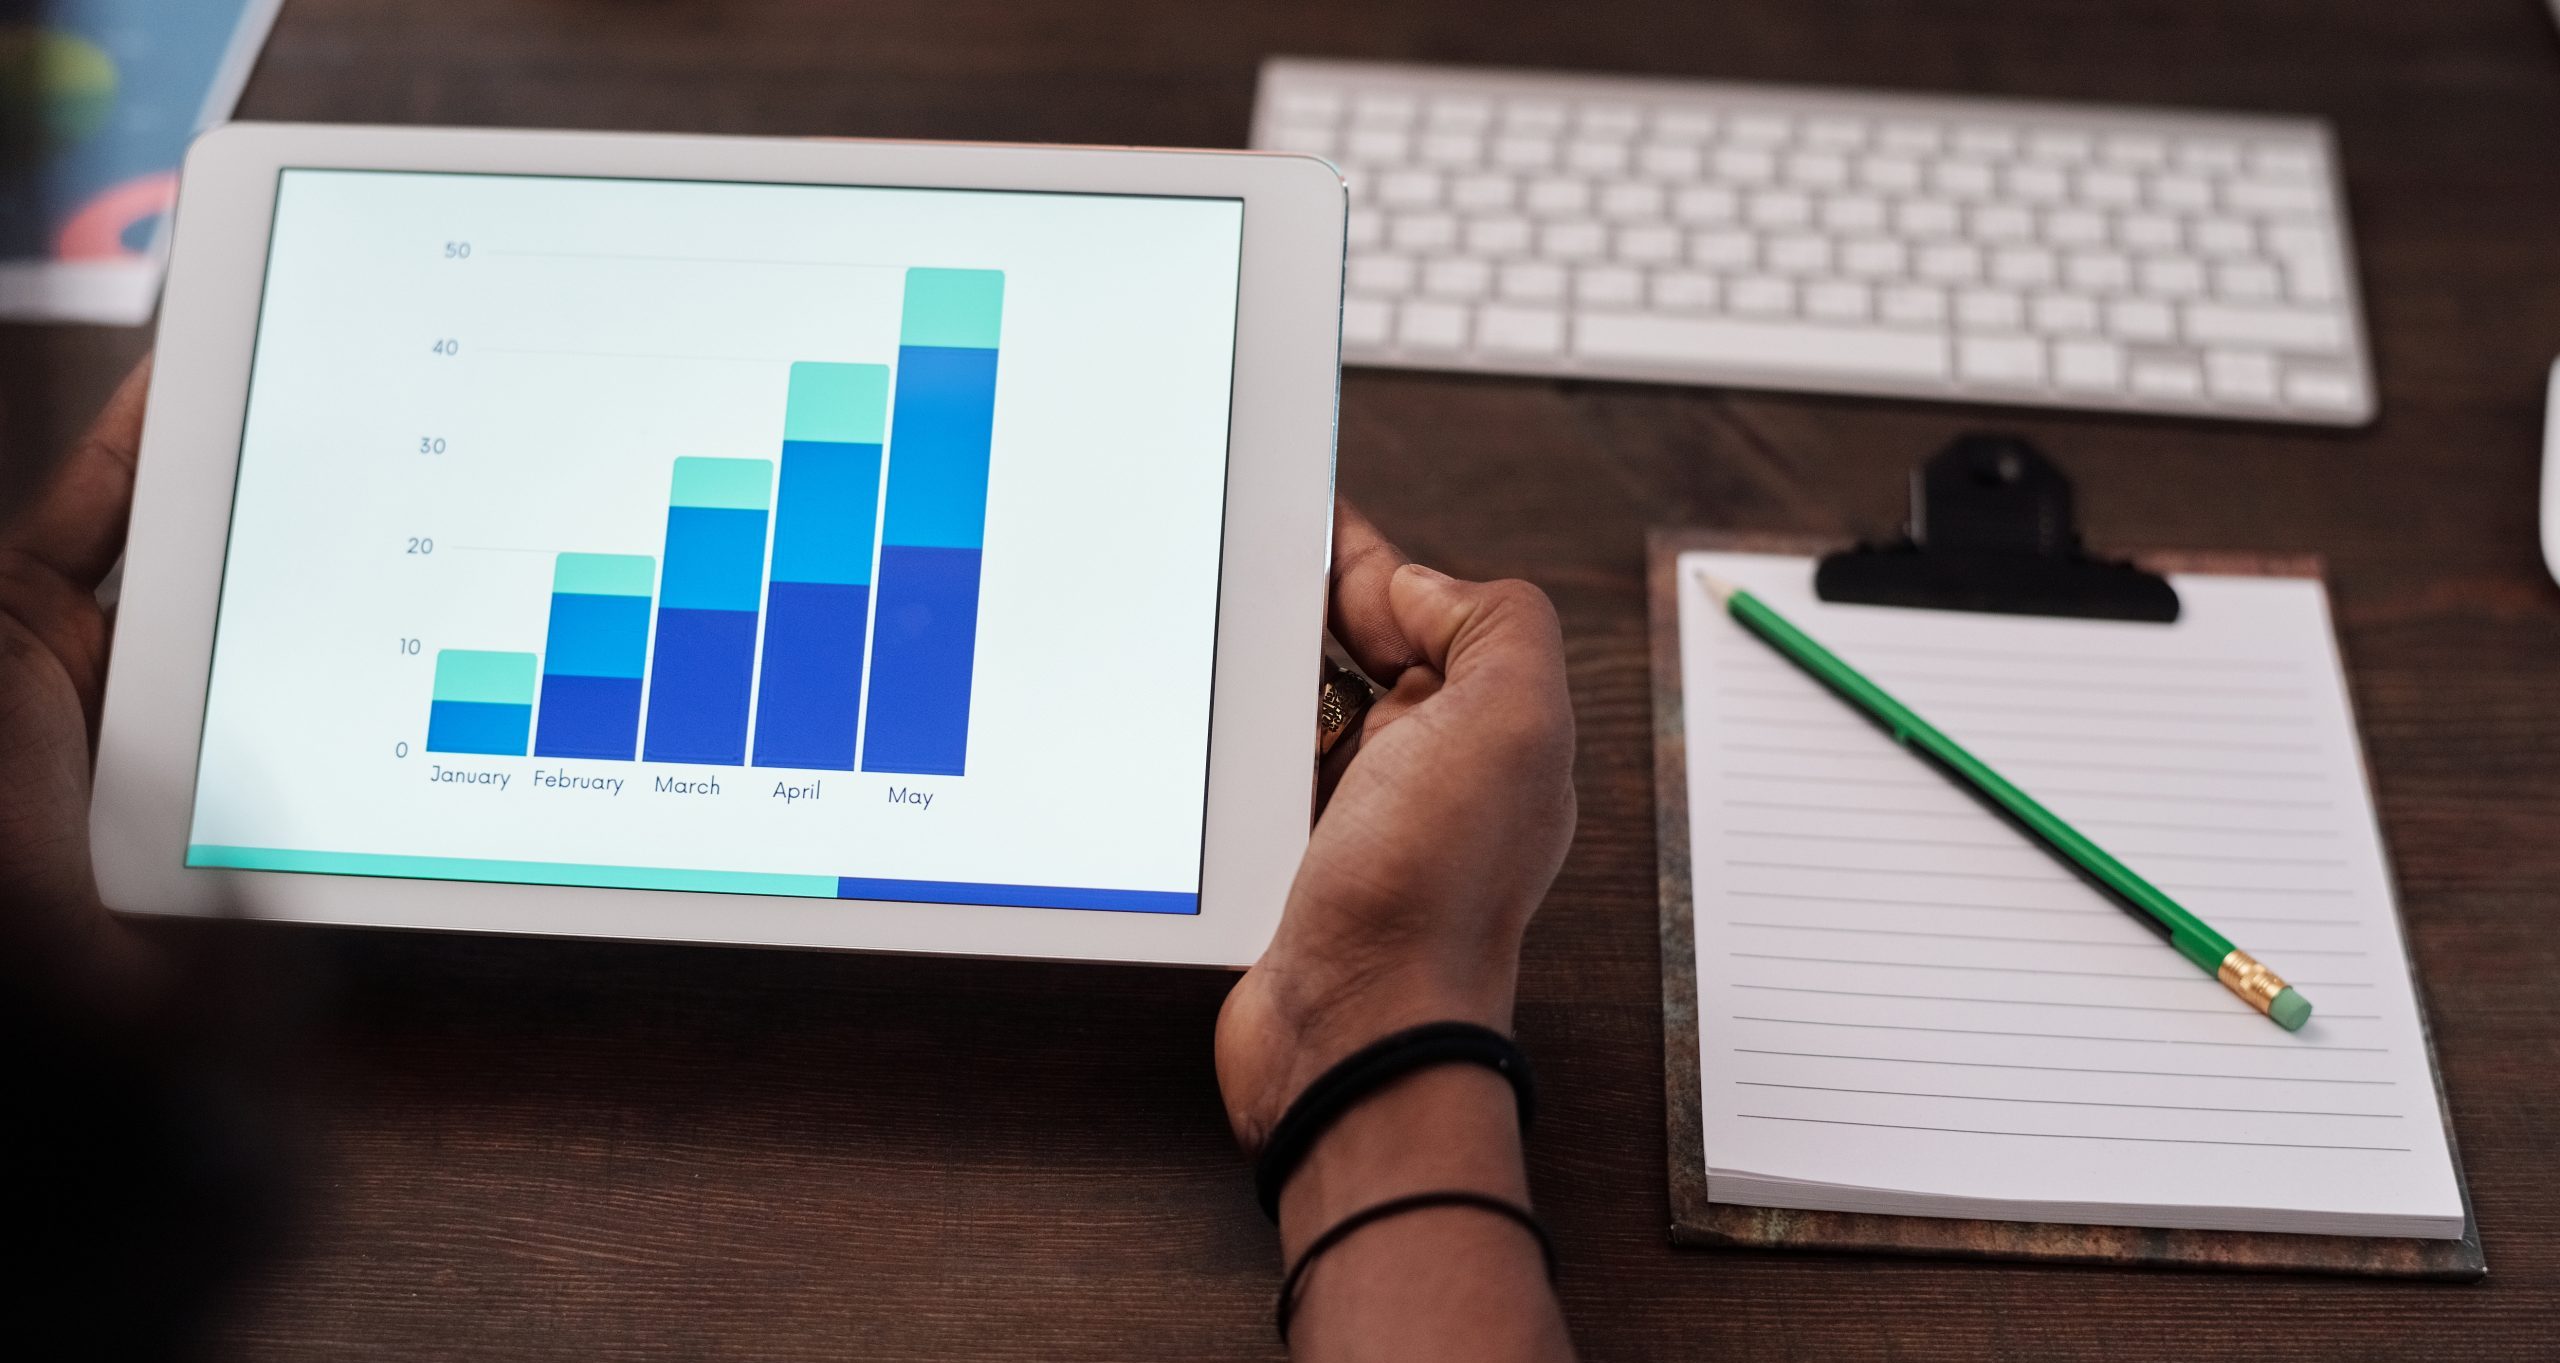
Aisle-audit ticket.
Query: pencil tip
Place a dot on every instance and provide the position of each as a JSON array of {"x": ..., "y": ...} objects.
[{"x": 1716, "y": 587}]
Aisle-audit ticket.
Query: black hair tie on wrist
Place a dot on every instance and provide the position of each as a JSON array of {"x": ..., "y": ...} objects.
[
  {"x": 1371, "y": 1068},
  {"x": 1398, "y": 1206}
]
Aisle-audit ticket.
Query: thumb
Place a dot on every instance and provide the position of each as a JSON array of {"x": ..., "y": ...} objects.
[{"x": 1462, "y": 627}]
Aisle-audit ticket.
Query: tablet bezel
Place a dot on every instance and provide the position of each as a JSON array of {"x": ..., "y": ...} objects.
[{"x": 1276, "y": 546}]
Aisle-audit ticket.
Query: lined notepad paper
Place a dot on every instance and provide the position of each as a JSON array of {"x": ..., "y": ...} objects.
[{"x": 1906, "y": 1007}]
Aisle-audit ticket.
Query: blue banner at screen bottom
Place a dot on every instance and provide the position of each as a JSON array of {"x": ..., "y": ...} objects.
[{"x": 1016, "y": 896}]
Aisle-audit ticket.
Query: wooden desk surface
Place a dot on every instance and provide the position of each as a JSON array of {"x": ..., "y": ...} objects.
[{"x": 526, "y": 1149}]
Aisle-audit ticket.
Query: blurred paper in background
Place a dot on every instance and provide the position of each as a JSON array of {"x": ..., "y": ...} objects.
[{"x": 98, "y": 100}]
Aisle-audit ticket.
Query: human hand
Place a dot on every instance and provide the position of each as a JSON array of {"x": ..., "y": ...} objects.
[
  {"x": 53, "y": 665},
  {"x": 1448, "y": 824}
]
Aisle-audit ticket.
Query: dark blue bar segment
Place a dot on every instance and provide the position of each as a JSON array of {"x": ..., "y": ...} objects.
[
  {"x": 923, "y": 653},
  {"x": 698, "y": 690},
  {"x": 475, "y": 726},
  {"x": 810, "y": 702},
  {"x": 1016, "y": 896},
  {"x": 589, "y": 716}
]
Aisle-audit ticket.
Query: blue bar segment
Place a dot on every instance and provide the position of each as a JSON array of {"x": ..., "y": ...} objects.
[
  {"x": 818, "y": 608},
  {"x": 474, "y": 726},
  {"x": 924, "y": 646},
  {"x": 703, "y": 668},
  {"x": 1016, "y": 896},
  {"x": 598, "y": 649}
]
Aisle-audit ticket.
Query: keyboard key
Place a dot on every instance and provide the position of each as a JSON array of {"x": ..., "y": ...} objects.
[
  {"x": 2184, "y": 193},
  {"x": 1890, "y": 174},
  {"x": 2171, "y": 277},
  {"x": 1617, "y": 122},
  {"x": 1649, "y": 245},
  {"x": 2158, "y": 378},
  {"x": 1556, "y": 197},
  {"x": 1572, "y": 241},
  {"x": 1483, "y": 193},
  {"x": 2140, "y": 151},
  {"x": 1457, "y": 278},
  {"x": 1702, "y": 204},
  {"x": 2075, "y": 227},
  {"x": 2242, "y": 375},
  {"x": 1422, "y": 233},
  {"x": 1670, "y": 160},
  {"x": 1817, "y": 170},
  {"x": 2023, "y": 267},
  {"x": 2003, "y": 222},
  {"x": 2277, "y": 328},
  {"x": 2098, "y": 271},
  {"x": 2061, "y": 146},
  {"x": 1383, "y": 109},
  {"x": 1309, "y": 104},
  {"x": 1989, "y": 142},
  {"x": 2272, "y": 198},
  {"x": 2000, "y": 359},
  {"x": 1381, "y": 274},
  {"x": 1852, "y": 213},
  {"x": 1912, "y": 137},
  {"x": 2089, "y": 365},
  {"x": 1453, "y": 150},
  {"x": 1431, "y": 326},
  {"x": 1837, "y": 301},
  {"x": 1810, "y": 347},
  {"x": 1607, "y": 286},
  {"x": 1459, "y": 113},
  {"x": 1684, "y": 291},
  {"x": 1533, "y": 116},
  {"x": 1591, "y": 156},
  {"x": 2208, "y": 155},
  {"x": 1799, "y": 254},
  {"x": 1760, "y": 129},
  {"x": 1524, "y": 151},
  {"x": 1953, "y": 262},
  {"x": 1990, "y": 310},
  {"x": 1379, "y": 146},
  {"x": 2276, "y": 161},
  {"x": 1498, "y": 236},
  {"x": 1961, "y": 179},
  {"x": 1365, "y": 227},
  {"x": 1631, "y": 202},
  {"x": 1685, "y": 124},
  {"x": 1925, "y": 218},
  {"x": 2247, "y": 280},
  {"x": 1317, "y": 139},
  {"x": 1410, "y": 188},
  {"x": 1724, "y": 250},
  {"x": 1520, "y": 331},
  {"x": 1836, "y": 134},
  {"x": 2141, "y": 319},
  {"x": 1913, "y": 305},
  {"x": 1745, "y": 165},
  {"x": 1365, "y": 321},
  {"x": 1762, "y": 295},
  {"x": 2148, "y": 232},
  {"x": 1531, "y": 281},
  {"x": 2036, "y": 184},
  {"x": 1778, "y": 208},
  {"x": 2063, "y": 314},
  {"x": 1875, "y": 258},
  {"x": 2225, "y": 237},
  {"x": 2332, "y": 389},
  {"x": 2108, "y": 188}
]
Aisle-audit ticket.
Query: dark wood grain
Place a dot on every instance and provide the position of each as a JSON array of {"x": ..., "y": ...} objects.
[{"x": 566, "y": 1150}]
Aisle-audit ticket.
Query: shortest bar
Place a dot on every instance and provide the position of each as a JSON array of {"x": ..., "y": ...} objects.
[{"x": 483, "y": 703}]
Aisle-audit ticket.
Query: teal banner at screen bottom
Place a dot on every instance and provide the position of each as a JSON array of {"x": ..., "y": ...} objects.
[{"x": 214, "y": 856}]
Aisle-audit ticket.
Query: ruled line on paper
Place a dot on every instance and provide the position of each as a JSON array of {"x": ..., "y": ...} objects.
[
  {"x": 2066, "y": 1102},
  {"x": 2073, "y": 1136},
  {"x": 2240, "y": 1012},
  {"x": 2072, "y": 1069},
  {"x": 2183, "y": 977},
  {"x": 2295, "y": 1047}
]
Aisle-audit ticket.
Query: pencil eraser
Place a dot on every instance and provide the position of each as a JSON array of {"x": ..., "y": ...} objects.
[{"x": 2290, "y": 1010}]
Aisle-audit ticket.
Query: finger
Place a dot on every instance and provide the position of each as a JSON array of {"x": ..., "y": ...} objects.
[
  {"x": 1360, "y": 614},
  {"x": 1496, "y": 637},
  {"x": 76, "y": 524}
]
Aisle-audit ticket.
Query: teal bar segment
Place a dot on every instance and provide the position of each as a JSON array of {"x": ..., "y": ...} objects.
[
  {"x": 961, "y": 309},
  {"x": 842, "y": 404},
  {"x": 604, "y": 575},
  {"x": 723, "y": 484},
  {"x": 470, "y": 675},
  {"x": 214, "y": 855}
]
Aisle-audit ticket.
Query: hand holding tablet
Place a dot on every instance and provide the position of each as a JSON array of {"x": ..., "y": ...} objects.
[{"x": 731, "y": 541}]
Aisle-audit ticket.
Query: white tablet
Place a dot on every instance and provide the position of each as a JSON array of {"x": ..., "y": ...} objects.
[{"x": 840, "y": 544}]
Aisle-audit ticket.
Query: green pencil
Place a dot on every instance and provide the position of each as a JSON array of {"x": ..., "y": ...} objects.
[{"x": 2192, "y": 936}]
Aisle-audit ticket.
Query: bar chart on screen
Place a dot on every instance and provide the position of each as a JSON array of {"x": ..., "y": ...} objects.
[
  {"x": 791, "y": 562},
  {"x": 773, "y": 539}
]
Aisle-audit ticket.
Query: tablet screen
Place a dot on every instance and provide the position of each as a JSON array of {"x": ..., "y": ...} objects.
[{"x": 855, "y": 543}]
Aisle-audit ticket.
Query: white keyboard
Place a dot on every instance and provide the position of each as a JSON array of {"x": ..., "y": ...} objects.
[{"x": 1761, "y": 236}]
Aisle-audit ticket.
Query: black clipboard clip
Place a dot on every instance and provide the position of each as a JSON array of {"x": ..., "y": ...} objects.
[{"x": 1992, "y": 530}]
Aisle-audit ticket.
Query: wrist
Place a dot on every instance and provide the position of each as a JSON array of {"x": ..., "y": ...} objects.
[
  {"x": 1311, "y": 1020},
  {"x": 1449, "y": 1127}
]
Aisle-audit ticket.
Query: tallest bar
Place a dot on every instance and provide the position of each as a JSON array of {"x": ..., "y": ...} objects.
[{"x": 933, "y": 532}]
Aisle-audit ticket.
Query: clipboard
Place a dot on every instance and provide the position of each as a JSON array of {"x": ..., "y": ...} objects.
[{"x": 1991, "y": 529}]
